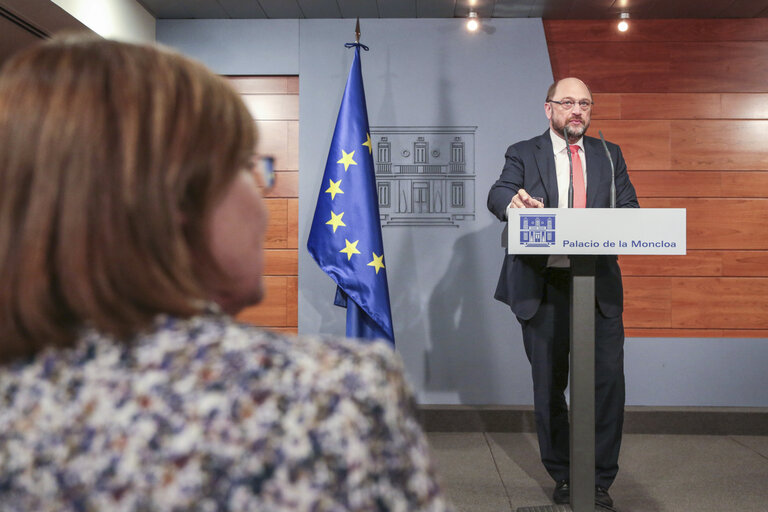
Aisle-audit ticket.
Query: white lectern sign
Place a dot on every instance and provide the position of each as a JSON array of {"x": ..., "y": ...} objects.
[{"x": 596, "y": 231}]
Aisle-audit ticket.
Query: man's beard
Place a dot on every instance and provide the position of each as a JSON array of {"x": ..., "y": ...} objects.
[{"x": 573, "y": 131}]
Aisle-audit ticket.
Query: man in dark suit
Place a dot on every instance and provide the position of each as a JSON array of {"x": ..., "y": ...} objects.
[{"x": 537, "y": 287}]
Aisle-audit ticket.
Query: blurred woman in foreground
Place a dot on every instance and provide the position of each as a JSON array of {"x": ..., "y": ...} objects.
[{"x": 131, "y": 226}]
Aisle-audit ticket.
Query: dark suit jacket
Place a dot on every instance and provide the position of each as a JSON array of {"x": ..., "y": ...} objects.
[{"x": 531, "y": 165}]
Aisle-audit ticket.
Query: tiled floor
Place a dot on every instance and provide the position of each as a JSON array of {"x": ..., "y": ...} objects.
[{"x": 497, "y": 472}]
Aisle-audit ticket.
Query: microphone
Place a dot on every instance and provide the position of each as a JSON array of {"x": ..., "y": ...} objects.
[
  {"x": 613, "y": 171},
  {"x": 570, "y": 166}
]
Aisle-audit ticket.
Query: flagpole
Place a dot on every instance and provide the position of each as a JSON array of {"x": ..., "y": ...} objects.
[
  {"x": 357, "y": 43},
  {"x": 345, "y": 238}
]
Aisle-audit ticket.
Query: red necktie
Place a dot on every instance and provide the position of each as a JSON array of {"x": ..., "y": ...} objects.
[{"x": 579, "y": 190}]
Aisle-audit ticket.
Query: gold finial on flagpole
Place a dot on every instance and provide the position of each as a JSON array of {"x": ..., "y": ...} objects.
[{"x": 357, "y": 30}]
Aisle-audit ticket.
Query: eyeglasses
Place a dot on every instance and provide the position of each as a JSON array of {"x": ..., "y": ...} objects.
[
  {"x": 568, "y": 104},
  {"x": 263, "y": 168}
]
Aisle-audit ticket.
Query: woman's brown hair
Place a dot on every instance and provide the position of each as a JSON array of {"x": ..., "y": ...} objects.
[{"x": 111, "y": 157}]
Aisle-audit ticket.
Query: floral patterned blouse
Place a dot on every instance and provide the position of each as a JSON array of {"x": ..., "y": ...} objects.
[{"x": 206, "y": 414}]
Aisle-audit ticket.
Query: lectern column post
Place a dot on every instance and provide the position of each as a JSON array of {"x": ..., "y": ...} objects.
[{"x": 582, "y": 374}]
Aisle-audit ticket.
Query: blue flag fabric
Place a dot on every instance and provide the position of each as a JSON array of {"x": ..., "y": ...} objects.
[{"x": 345, "y": 238}]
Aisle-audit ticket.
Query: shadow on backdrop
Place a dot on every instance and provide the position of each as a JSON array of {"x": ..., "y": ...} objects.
[{"x": 461, "y": 356}]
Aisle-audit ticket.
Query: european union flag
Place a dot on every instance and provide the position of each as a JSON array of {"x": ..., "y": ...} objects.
[{"x": 345, "y": 238}]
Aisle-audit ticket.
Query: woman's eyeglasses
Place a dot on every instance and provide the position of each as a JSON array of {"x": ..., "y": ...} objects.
[{"x": 265, "y": 170}]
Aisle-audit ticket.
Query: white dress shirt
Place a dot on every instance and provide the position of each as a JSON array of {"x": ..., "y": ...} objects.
[
  {"x": 560, "y": 148},
  {"x": 563, "y": 170}
]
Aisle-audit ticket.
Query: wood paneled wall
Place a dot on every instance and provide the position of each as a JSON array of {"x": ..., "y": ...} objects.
[
  {"x": 274, "y": 103},
  {"x": 687, "y": 100}
]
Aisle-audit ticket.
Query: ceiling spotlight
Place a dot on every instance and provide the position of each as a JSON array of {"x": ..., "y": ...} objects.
[
  {"x": 623, "y": 25},
  {"x": 473, "y": 22}
]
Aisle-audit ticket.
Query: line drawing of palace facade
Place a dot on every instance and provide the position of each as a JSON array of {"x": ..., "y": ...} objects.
[{"x": 425, "y": 175}]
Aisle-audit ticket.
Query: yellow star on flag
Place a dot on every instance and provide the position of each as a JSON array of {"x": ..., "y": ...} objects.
[
  {"x": 377, "y": 262},
  {"x": 368, "y": 143},
  {"x": 336, "y": 221},
  {"x": 334, "y": 189},
  {"x": 346, "y": 159},
  {"x": 350, "y": 249}
]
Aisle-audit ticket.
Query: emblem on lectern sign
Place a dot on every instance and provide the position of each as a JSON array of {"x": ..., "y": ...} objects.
[{"x": 537, "y": 230}]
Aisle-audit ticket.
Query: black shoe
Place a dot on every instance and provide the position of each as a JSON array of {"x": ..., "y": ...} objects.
[
  {"x": 602, "y": 497},
  {"x": 562, "y": 494}
]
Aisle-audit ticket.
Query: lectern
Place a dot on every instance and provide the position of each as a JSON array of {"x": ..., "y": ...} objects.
[{"x": 583, "y": 234}]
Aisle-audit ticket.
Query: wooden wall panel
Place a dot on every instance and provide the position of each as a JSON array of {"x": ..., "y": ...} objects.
[
  {"x": 741, "y": 184},
  {"x": 644, "y": 144},
  {"x": 292, "y": 159},
  {"x": 292, "y": 82},
  {"x": 719, "y": 302},
  {"x": 272, "y": 311},
  {"x": 286, "y": 185},
  {"x": 687, "y": 100},
  {"x": 745, "y": 263},
  {"x": 677, "y": 184},
  {"x": 683, "y": 56},
  {"x": 720, "y": 145},
  {"x": 649, "y": 31},
  {"x": 292, "y": 301},
  {"x": 689, "y": 144},
  {"x": 646, "y": 302},
  {"x": 695, "y": 263},
  {"x": 292, "y": 210},
  {"x": 658, "y": 106},
  {"x": 698, "y": 263},
  {"x": 745, "y": 184},
  {"x": 640, "y": 332},
  {"x": 272, "y": 107},
  {"x": 718, "y": 67},
  {"x": 277, "y": 228},
  {"x": 607, "y": 106},
  {"x": 625, "y": 67},
  {"x": 282, "y": 262},
  {"x": 680, "y": 106},
  {"x": 671, "y": 106},
  {"x": 273, "y": 141},
  {"x": 274, "y": 103},
  {"x": 695, "y": 302},
  {"x": 721, "y": 223},
  {"x": 247, "y": 85},
  {"x": 744, "y": 106}
]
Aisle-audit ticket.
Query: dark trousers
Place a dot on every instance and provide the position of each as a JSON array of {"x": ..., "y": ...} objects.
[{"x": 547, "y": 344}]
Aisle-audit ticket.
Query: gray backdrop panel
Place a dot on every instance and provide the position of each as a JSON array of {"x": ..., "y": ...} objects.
[{"x": 459, "y": 345}]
